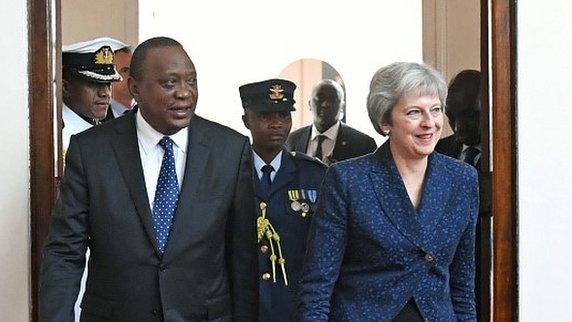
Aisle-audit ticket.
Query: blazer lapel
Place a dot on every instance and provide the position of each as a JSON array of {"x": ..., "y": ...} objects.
[
  {"x": 437, "y": 193},
  {"x": 197, "y": 155},
  {"x": 126, "y": 148},
  {"x": 392, "y": 195}
]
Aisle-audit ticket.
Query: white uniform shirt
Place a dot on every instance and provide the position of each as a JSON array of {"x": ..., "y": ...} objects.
[
  {"x": 73, "y": 124},
  {"x": 151, "y": 154}
]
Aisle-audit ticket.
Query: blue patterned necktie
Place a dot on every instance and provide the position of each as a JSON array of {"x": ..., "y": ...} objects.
[
  {"x": 265, "y": 181},
  {"x": 166, "y": 195}
]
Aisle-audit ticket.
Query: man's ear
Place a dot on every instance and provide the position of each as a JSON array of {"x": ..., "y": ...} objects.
[
  {"x": 133, "y": 88},
  {"x": 245, "y": 121}
]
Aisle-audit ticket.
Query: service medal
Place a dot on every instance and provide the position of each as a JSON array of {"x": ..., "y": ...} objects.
[{"x": 295, "y": 205}]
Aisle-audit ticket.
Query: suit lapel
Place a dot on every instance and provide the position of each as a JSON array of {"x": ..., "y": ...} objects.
[
  {"x": 341, "y": 144},
  {"x": 392, "y": 195},
  {"x": 198, "y": 153},
  {"x": 303, "y": 144},
  {"x": 126, "y": 148}
]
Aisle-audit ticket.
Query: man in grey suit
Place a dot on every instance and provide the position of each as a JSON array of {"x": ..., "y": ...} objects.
[
  {"x": 164, "y": 200},
  {"x": 329, "y": 139}
]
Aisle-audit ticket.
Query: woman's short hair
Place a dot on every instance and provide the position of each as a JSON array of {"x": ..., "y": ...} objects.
[{"x": 393, "y": 81}]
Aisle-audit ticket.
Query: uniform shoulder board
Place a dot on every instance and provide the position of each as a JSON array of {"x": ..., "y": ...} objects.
[{"x": 303, "y": 156}]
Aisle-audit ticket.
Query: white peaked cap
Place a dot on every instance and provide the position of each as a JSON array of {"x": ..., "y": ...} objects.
[{"x": 91, "y": 46}]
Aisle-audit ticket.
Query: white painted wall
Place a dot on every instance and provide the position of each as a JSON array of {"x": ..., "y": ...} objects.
[
  {"x": 544, "y": 159},
  {"x": 14, "y": 162},
  {"x": 87, "y": 19},
  {"x": 237, "y": 42}
]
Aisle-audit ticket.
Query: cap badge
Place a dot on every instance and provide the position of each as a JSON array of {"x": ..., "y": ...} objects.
[
  {"x": 276, "y": 92},
  {"x": 104, "y": 56}
]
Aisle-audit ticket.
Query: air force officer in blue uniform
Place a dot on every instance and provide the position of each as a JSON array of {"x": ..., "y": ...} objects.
[
  {"x": 394, "y": 231},
  {"x": 286, "y": 188}
]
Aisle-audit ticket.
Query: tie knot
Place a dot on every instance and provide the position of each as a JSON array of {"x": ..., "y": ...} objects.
[
  {"x": 267, "y": 169},
  {"x": 166, "y": 143},
  {"x": 321, "y": 138}
]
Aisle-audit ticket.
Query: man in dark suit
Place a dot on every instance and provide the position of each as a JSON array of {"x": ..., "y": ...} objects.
[
  {"x": 328, "y": 138},
  {"x": 463, "y": 110},
  {"x": 164, "y": 200},
  {"x": 286, "y": 189}
]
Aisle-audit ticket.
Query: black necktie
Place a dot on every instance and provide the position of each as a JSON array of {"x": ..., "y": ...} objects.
[
  {"x": 319, "y": 152},
  {"x": 265, "y": 181},
  {"x": 471, "y": 154}
]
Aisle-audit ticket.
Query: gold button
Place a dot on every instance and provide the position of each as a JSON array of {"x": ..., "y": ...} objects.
[
  {"x": 264, "y": 248},
  {"x": 266, "y": 276},
  {"x": 429, "y": 257}
]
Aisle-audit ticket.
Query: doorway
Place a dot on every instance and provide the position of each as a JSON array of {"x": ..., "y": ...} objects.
[{"x": 45, "y": 42}]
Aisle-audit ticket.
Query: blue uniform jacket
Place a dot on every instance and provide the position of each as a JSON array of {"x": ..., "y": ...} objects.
[
  {"x": 299, "y": 178},
  {"x": 369, "y": 251}
]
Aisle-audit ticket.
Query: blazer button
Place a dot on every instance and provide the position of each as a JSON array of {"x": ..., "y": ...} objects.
[
  {"x": 264, "y": 248},
  {"x": 429, "y": 257},
  {"x": 266, "y": 276},
  {"x": 156, "y": 312}
]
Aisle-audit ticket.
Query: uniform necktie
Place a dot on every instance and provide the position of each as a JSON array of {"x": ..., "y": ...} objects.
[
  {"x": 265, "y": 181},
  {"x": 319, "y": 152},
  {"x": 471, "y": 154},
  {"x": 166, "y": 195}
]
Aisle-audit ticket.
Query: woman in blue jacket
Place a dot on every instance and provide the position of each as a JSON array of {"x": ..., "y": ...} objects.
[{"x": 393, "y": 235}]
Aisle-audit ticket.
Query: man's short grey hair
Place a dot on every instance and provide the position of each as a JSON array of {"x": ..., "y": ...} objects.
[
  {"x": 337, "y": 86},
  {"x": 394, "y": 81}
]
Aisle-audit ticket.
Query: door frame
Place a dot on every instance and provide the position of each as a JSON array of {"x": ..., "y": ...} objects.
[{"x": 45, "y": 66}]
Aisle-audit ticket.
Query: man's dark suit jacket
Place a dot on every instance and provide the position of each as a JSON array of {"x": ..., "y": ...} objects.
[
  {"x": 350, "y": 142},
  {"x": 208, "y": 270},
  {"x": 451, "y": 146}
]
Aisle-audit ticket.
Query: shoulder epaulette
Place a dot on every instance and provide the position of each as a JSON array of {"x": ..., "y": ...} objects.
[{"x": 303, "y": 156}]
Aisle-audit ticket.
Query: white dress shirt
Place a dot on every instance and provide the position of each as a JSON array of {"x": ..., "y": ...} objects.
[
  {"x": 327, "y": 145},
  {"x": 151, "y": 154},
  {"x": 259, "y": 163}
]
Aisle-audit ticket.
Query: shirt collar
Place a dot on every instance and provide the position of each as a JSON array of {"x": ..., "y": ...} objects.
[
  {"x": 150, "y": 137},
  {"x": 465, "y": 147},
  {"x": 259, "y": 163},
  {"x": 331, "y": 133},
  {"x": 117, "y": 107}
]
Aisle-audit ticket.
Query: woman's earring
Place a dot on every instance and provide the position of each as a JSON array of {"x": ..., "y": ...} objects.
[{"x": 386, "y": 132}]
